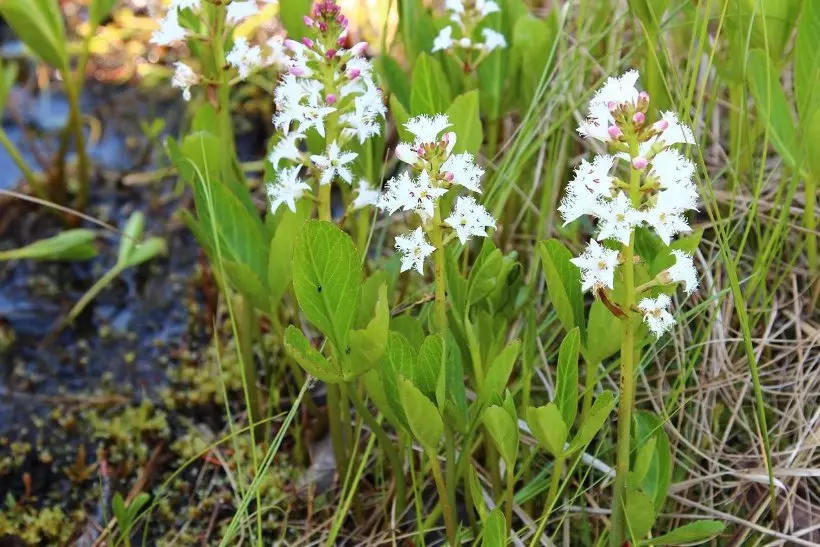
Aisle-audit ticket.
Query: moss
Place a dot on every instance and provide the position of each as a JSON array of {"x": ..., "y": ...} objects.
[{"x": 34, "y": 527}]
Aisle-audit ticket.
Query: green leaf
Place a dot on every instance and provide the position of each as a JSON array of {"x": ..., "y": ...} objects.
[
  {"x": 399, "y": 360},
  {"x": 147, "y": 250},
  {"x": 409, "y": 327},
  {"x": 247, "y": 283},
  {"x": 69, "y": 245},
  {"x": 370, "y": 295},
  {"x": 430, "y": 366},
  {"x": 688, "y": 534},
  {"x": 416, "y": 28},
  {"x": 807, "y": 61},
  {"x": 8, "y": 75},
  {"x": 643, "y": 461},
  {"x": 640, "y": 513},
  {"x": 485, "y": 272},
  {"x": 563, "y": 284},
  {"x": 398, "y": 82},
  {"x": 566, "y": 388},
  {"x": 308, "y": 358},
  {"x": 327, "y": 276},
  {"x": 131, "y": 235},
  {"x": 499, "y": 373},
  {"x": 456, "y": 393},
  {"x": 598, "y": 413},
  {"x": 280, "y": 256},
  {"x": 374, "y": 385},
  {"x": 503, "y": 430},
  {"x": 603, "y": 334},
  {"x": 430, "y": 93},
  {"x": 495, "y": 529},
  {"x": 465, "y": 116},
  {"x": 772, "y": 106},
  {"x": 401, "y": 117},
  {"x": 548, "y": 428},
  {"x": 422, "y": 417},
  {"x": 39, "y": 25},
  {"x": 658, "y": 476},
  {"x": 650, "y": 12},
  {"x": 532, "y": 43},
  {"x": 292, "y": 12},
  {"x": 368, "y": 345},
  {"x": 492, "y": 77},
  {"x": 99, "y": 10},
  {"x": 120, "y": 512},
  {"x": 137, "y": 504},
  {"x": 477, "y": 498}
]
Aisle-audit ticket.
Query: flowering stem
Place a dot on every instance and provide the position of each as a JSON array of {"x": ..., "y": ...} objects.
[
  {"x": 440, "y": 280},
  {"x": 555, "y": 481},
  {"x": 627, "y": 397},
  {"x": 224, "y": 85},
  {"x": 447, "y": 509}
]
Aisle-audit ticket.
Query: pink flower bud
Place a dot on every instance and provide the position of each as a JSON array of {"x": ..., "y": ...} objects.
[
  {"x": 614, "y": 131},
  {"x": 660, "y": 125},
  {"x": 330, "y": 99},
  {"x": 643, "y": 96},
  {"x": 307, "y": 41},
  {"x": 359, "y": 48},
  {"x": 638, "y": 118},
  {"x": 639, "y": 162},
  {"x": 331, "y": 53},
  {"x": 322, "y": 26},
  {"x": 296, "y": 71},
  {"x": 353, "y": 73},
  {"x": 612, "y": 105},
  {"x": 308, "y": 21},
  {"x": 449, "y": 176}
]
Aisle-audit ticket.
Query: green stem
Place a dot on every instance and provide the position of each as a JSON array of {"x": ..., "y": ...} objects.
[
  {"x": 21, "y": 164},
  {"x": 552, "y": 494},
  {"x": 440, "y": 280},
  {"x": 591, "y": 378},
  {"x": 335, "y": 423},
  {"x": 508, "y": 503},
  {"x": 245, "y": 326},
  {"x": 324, "y": 202},
  {"x": 627, "y": 397},
  {"x": 92, "y": 293},
  {"x": 345, "y": 420},
  {"x": 224, "y": 86},
  {"x": 76, "y": 123},
  {"x": 447, "y": 509},
  {"x": 387, "y": 446}
]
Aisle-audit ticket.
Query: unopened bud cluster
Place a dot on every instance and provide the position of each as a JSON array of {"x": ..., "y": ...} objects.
[{"x": 459, "y": 39}]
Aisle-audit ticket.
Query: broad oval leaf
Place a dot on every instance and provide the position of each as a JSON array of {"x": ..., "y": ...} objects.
[
  {"x": 548, "y": 428},
  {"x": 640, "y": 514},
  {"x": 430, "y": 93},
  {"x": 503, "y": 430},
  {"x": 280, "y": 256},
  {"x": 70, "y": 245},
  {"x": 598, "y": 413},
  {"x": 465, "y": 116},
  {"x": 327, "y": 276},
  {"x": 368, "y": 345},
  {"x": 566, "y": 384},
  {"x": 499, "y": 373},
  {"x": 422, "y": 416},
  {"x": 39, "y": 25},
  {"x": 658, "y": 475},
  {"x": 773, "y": 107},
  {"x": 308, "y": 358},
  {"x": 603, "y": 334},
  {"x": 563, "y": 284},
  {"x": 689, "y": 534},
  {"x": 495, "y": 529}
]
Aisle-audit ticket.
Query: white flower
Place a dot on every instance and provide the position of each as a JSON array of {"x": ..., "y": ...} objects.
[
  {"x": 243, "y": 57},
  {"x": 184, "y": 78},
  {"x": 675, "y": 132},
  {"x": 469, "y": 218},
  {"x": 287, "y": 189},
  {"x": 169, "y": 30},
  {"x": 597, "y": 265},
  {"x": 578, "y": 202},
  {"x": 464, "y": 171},
  {"x": 618, "y": 218},
  {"x": 277, "y": 58},
  {"x": 655, "y": 315},
  {"x": 414, "y": 249},
  {"x": 493, "y": 39},
  {"x": 286, "y": 148},
  {"x": 671, "y": 168},
  {"x": 595, "y": 176},
  {"x": 444, "y": 40},
  {"x": 425, "y": 195},
  {"x": 314, "y": 116},
  {"x": 406, "y": 153},
  {"x": 427, "y": 129},
  {"x": 240, "y": 10},
  {"x": 486, "y": 7},
  {"x": 618, "y": 91},
  {"x": 398, "y": 194},
  {"x": 666, "y": 223},
  {"x": 597, "y": 123},
  {"x": 456, "y": 6},
  {"x": 368, "y": 108},
  {"x": 366, "y": 195},
  {"x": 334, "y": 163},
  {"x": 684, "y": 271}
]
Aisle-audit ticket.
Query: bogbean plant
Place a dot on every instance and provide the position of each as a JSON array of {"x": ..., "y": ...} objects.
[{"x": 443, "y": 371}]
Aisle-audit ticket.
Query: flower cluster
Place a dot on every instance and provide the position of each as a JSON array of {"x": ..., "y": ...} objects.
[
  {"x": 657, "y": 195},
  {"x": 430, "y": 156},
  {"x": 244, "y": 57},
  {"x": 458, "y": 39},
  {"x": 331, "y": 90}
]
